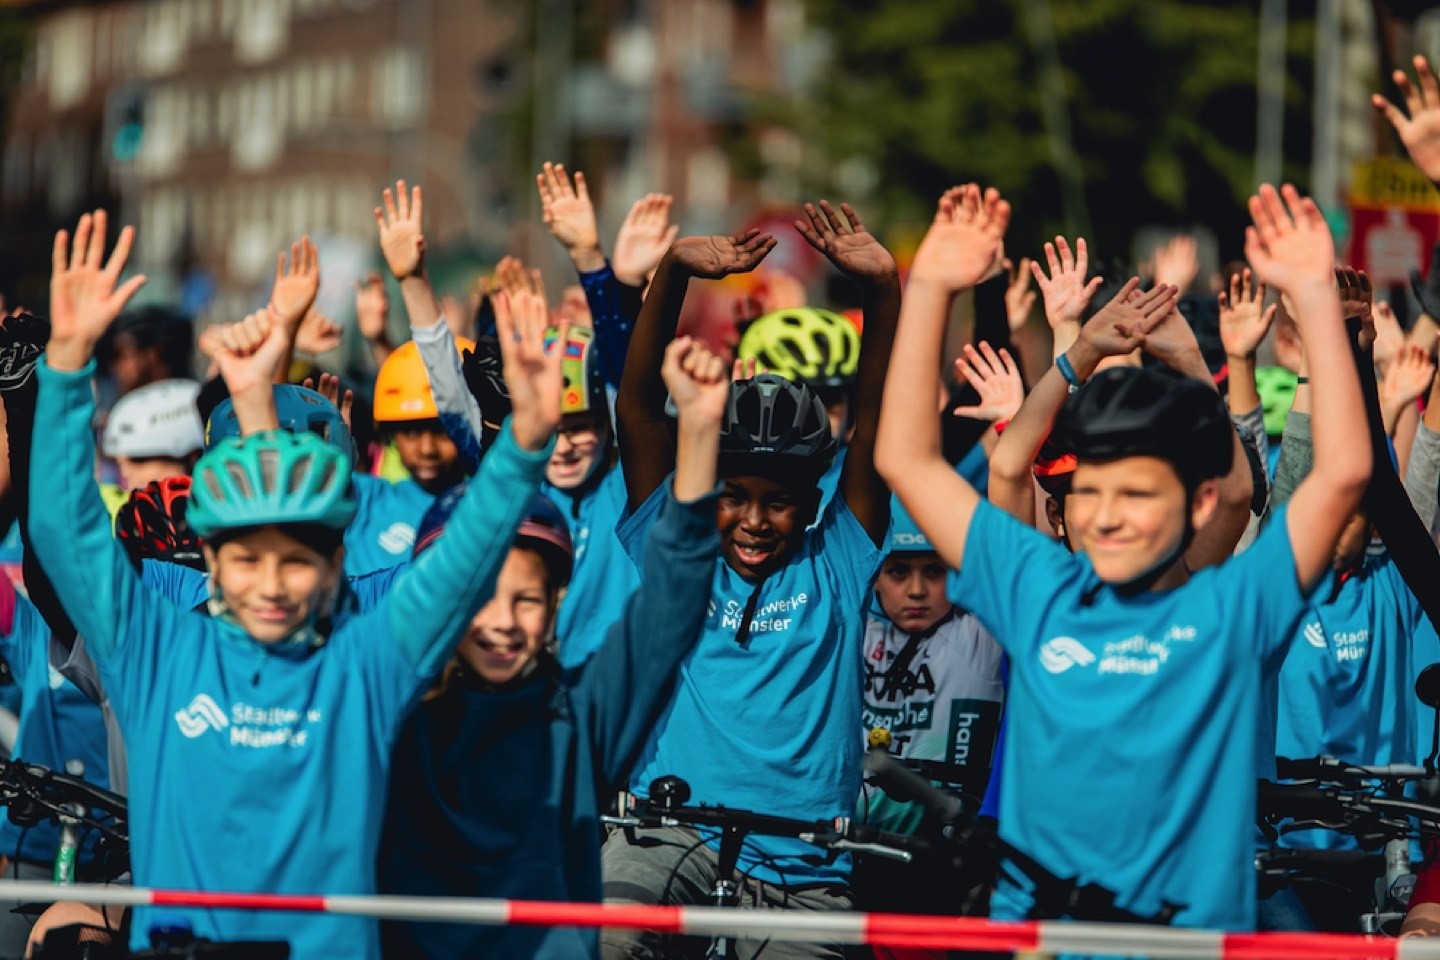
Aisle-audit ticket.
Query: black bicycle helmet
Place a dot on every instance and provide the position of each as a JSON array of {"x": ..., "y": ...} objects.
[
  {"x": 1149, "y": 412},
  {"x": 773, "y": 426}
]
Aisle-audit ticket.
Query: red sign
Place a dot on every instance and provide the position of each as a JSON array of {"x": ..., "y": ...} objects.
[{"x": 1389, "y": 242}]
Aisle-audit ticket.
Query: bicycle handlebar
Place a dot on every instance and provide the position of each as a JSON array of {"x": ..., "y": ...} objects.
[
  {"x": 1333, "y": 768},
  {"x": 1343, "y": 809},
  {"x": 27, "y": 780},
  {"x": 838, "y": 834}
]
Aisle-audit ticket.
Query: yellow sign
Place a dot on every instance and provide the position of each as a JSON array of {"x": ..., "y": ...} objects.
[{"x": 1392, "y": 182}]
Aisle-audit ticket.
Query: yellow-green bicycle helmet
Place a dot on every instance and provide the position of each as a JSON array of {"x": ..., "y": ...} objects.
[{"x": 805, "y": 344}]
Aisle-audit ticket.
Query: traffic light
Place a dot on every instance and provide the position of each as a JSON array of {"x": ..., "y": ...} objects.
[{"x": 125, "y": 122}]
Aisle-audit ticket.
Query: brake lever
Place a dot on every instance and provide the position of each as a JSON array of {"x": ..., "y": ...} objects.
[{"x": 890, "y": 853}]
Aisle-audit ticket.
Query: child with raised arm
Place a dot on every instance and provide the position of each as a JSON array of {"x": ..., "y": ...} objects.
[
  {"x": 582, "y": 478},
  {"x": 766, "y": 709},
  {"x": 515, "y": 816},
  {"x": 1135, "y": 675},
  {"x": 262, "y": 731}
]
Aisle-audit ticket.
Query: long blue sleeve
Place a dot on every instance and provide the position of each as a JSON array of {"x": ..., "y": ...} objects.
[
  {"x": 92, "y": 576},
  {"x": 613, "y": 309},
  {"x": 433, "y": 601},
  {"x": 629, "y": 678}
]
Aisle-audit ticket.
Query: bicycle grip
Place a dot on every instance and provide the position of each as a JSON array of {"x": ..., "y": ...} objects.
[{"x": 902, "y": 784}]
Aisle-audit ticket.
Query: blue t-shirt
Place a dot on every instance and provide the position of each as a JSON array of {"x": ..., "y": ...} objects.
[
  {"x": 770, "y": 726},
  {"x": 1346, "y": 688},
  {"x": 386, "y": 518},
  {"x": 603, "y": 575},
  {"x": 1131, "y": 721},
  {"x": 975, "y": 468},
  {"x": 58, "y": 724},
  {"x": 830, "y": 482}
]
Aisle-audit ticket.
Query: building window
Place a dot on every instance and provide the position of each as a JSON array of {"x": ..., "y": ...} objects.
[
  {"x": 261, "y": 30},
  {"x": 68, "y": 59},
  {"x": 162, "y": 43},
  {"x": 398, "y": 90}
]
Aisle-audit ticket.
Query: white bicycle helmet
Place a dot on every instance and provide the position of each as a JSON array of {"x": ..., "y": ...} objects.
[{"x": 156, "y": 420}]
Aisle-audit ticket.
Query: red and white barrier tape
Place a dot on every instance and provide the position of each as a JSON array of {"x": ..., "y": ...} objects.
[{"x": 873, "y": 929}]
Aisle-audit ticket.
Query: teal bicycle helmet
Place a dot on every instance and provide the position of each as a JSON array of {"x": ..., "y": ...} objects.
[
  {"x": 275, "y": 478},
  {"x": 905, "y": 534}
]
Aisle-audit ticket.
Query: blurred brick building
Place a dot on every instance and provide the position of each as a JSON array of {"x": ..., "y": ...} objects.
[{"x": 223, "y": 128}]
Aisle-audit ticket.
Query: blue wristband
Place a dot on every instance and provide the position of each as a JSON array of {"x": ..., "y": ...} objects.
[{"x": 1062, "y": 363}]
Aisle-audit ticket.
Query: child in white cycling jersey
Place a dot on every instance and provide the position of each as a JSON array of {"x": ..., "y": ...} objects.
[
  {"x": 259, "y": 737},
  {"x": 932, "y": 674},
  {"x": 933, "y": 692},
  {"x": 1130, "y": 672}
]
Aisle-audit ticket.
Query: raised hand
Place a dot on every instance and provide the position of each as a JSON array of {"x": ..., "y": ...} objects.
[
  {"x": 318, "y": 334},
  {"x": 1244, "y": 318},
  {"x": 1356, "y": 293},
  {"x": 716, "y": 257},
  {"x": 995, "y": 377},
  {"x": 1019, "y": 298},
  {"x": 329, "y": 388},
  {"x": 965, "y": 240},
  {"x": 570, "y": 215},
  {"x": 296, "y": 283},
  {"x": 853, "y": 249},
  {"x": 1389, "y": 337},
  {"x": 249, "y": 352},
  {"x": 1290, "y": 246},
  {"x": 372, "y": 308},
  {"x": 1173, "y": 343},
  {"x": 698, "y": 381},
  {"x": 1122, "y": 324},
  {"x": 1420, "y": 131},
  {"x": 643, "y": 239},
  {"x": 511, "y": 277},
  {"x": 401, "y": 239},
  {"x": 532, "y": 374},
  {"x": 1408, "y": 379},
  {"x": 84, "y": 296},
  {"x": 1177, "y": 262},
  {"x": 1066, "y": 291}
]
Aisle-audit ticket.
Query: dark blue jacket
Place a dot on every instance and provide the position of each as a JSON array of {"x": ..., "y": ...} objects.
[{"x": 498, "y": 793}]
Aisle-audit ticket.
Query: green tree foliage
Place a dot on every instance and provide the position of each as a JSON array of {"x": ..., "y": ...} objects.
[{"x": 1160, "y": 96}]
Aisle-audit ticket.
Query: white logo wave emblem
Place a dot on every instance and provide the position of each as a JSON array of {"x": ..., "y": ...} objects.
[
  {"x": 202, "y": 714},
  {"x": 1062, "y": 653},
  {"x": 1315, "y": 635},
  {"x": 397, "y": 538}
]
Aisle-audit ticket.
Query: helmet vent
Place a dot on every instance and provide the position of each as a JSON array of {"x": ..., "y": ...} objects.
[
  {"x": 240, "y": 479},
  {"x": 327, "y": 475},
  {"x": 269, "y": 468},
  {"x": 212, "y": 483}
]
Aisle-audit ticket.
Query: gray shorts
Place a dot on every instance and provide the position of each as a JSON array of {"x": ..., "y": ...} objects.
[{"x": 670, "y": 867}]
